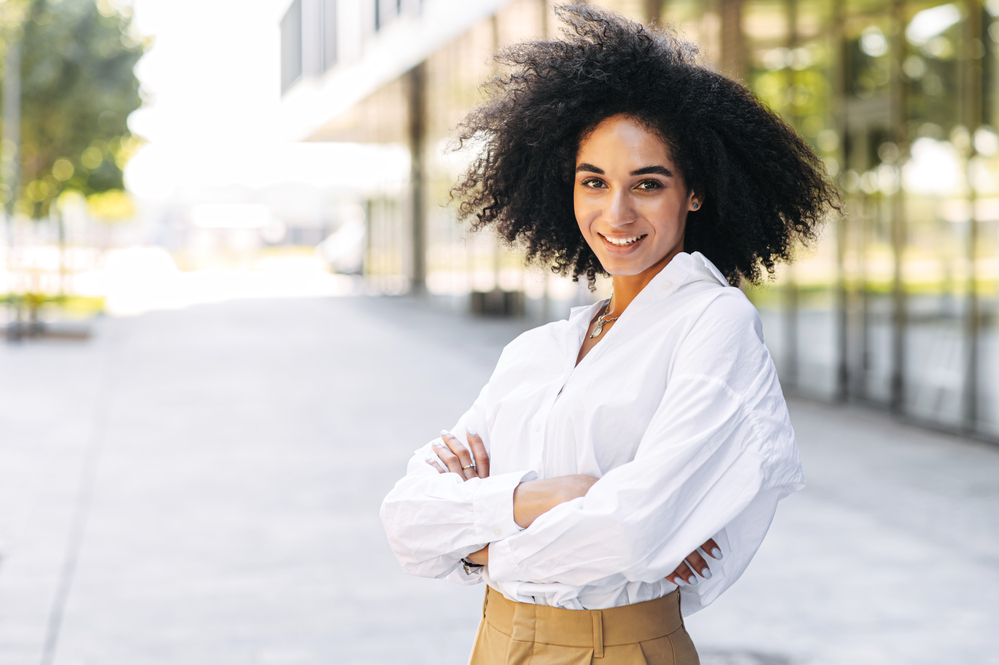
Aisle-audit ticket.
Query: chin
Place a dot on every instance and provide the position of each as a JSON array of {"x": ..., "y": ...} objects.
[{"x": 619, "y": 270}]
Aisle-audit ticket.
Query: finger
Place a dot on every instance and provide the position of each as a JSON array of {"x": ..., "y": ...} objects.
[
  {"x": 465, "y": 457},
  {"x": 711, "y": 548},
  {"x": 479, "y": 451},
  {"x": 450, "y": 460},
  {"x": 698, "y": 563},
  {"x": 686, "y": 573},
  {"x": 437, "y": 466},
  {"x": 673, "y": 578}
]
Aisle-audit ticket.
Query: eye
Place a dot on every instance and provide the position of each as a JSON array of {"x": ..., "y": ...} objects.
[
  {"x": 649, "y": 185},
  {"x": 592, "y": 183}
]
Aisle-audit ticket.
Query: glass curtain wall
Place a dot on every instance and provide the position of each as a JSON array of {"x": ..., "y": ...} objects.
[
  {"x": 790, "y": 65},
  {"x": 897, "y": 302},
  {"x": 384, "y": 118},
  {"x": 477, "y": 270}
]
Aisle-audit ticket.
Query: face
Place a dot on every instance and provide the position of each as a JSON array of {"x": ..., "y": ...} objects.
[{"x": 630, "y": 199}]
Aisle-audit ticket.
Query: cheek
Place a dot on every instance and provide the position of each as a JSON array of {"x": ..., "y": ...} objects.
[
  {"x": 583, "y": 212},
  {"x": 670, "y": 218}
]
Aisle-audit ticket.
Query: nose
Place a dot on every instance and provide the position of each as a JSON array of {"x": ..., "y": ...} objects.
[{"x": 619, "y": 211}]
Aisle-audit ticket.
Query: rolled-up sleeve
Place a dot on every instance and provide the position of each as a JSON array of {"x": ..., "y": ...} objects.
[{"x": 718, "y": 443}]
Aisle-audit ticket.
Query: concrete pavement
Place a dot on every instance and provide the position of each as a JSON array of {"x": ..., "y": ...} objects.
[{"x": 202, "y": 486}]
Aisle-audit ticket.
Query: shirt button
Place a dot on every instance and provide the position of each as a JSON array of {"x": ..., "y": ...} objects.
[
  {"x": 537, "y": 427},
  {"x": 667, "y": 284},
  {"x": 496, "y": 531}
]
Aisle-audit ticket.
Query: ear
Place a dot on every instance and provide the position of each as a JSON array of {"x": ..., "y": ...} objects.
[{"x": 694, "y": 201}]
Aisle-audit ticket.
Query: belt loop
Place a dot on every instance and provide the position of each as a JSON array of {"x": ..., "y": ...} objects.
[
  {"x": 598, "y": 633},
  {"x": 485, "y": 601}
]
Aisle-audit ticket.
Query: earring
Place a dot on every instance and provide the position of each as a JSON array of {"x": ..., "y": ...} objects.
[{"x": 696, "y": 205}]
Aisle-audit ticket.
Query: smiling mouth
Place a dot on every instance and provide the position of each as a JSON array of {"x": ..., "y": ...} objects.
[{"x": 624, "y": 241}]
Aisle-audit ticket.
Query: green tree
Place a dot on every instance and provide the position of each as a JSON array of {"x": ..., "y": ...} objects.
[{"x": 78, "y": 87}]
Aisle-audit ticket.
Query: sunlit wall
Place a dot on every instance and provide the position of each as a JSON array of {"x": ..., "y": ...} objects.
[{"x": 897, "y": 304}]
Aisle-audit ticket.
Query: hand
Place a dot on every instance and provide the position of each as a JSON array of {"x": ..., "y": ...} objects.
[
  {"x": 457, "y": 459},
  {"x": 683, "y": 573},
  {"x": 534, "y": 498}
]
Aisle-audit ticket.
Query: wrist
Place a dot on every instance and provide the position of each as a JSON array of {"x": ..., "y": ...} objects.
[
  {"x": 477, "y": 559},
  {"x": 533, "y": 498}
]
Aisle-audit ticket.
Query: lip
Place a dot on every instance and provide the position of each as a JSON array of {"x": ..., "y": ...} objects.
[{"x": 621, "y": 250}]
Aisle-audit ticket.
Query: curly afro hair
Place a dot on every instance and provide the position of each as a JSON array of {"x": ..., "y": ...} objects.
[{"x": 763, "y": 188}]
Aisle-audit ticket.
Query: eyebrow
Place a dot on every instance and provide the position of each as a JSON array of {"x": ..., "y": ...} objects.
[
  {"x": 645, "y": 170},
  {"x": 661, "y": 170}
]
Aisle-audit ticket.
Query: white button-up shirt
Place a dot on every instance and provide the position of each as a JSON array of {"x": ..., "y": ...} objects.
[{"x": 677, "y": 411}]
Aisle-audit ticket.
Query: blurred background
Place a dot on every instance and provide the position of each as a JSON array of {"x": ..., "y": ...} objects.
[{"x": 235, "y": 301}]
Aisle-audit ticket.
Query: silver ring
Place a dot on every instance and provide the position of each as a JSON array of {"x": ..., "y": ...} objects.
[{"x": 470, "y": 466}]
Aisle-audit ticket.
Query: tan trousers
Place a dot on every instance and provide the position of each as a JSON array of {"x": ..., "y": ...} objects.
[{"x": 523, "y": 634}]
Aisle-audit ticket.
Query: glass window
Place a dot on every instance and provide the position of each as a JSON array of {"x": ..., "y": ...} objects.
[{"x": 291, "y": 45}]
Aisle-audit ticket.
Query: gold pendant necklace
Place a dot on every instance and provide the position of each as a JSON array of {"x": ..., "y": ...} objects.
[{"x": 602, "y": 319}]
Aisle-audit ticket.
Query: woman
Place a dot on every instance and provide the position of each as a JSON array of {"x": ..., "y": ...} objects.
[{"x": 612, "y": 455}]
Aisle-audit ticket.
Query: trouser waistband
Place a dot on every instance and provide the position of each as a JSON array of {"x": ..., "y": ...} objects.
[{"x": 583, "y": 628}]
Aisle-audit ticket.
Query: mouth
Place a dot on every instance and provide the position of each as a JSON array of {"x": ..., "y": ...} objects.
[{"x": 623, "y": 241}]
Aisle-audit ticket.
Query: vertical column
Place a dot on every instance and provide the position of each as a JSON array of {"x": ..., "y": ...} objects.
[
  {"x": 416, "y": 93},
  {"x": 970, "y": 100},
  {"x": 898, "y": 235},
  {"x": 791, "y": 301},
  {"x": 839, "y": 114},
  {"x": 546, "y": 298},
  {"x": 10, "y": 156},
  {"x": 653, "y": 11},
  {"x": 733, "y": 60},
  {"x": 497, "y": 243}
]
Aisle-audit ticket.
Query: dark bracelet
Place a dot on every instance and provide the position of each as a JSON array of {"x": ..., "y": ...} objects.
[{"x": 469, "y": 566}]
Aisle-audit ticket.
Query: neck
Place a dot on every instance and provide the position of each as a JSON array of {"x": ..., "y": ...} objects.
[{"x": 627, "y": 287}]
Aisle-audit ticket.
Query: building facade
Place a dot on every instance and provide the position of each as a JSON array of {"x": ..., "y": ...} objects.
[{"x": 896, "y": 305}]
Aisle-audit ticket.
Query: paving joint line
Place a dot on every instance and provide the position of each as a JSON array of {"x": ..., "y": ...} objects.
[{"x": 84, "y": 499}]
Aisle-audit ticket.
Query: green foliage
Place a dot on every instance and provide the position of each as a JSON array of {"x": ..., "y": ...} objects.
[{"x": 78, "y": 87}]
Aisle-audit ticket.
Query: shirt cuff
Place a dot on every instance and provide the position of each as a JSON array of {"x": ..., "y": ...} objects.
[
  {"x": 492, "y": 506},
  {"x": 502, "y": 566},
  {"x": 459, "y": 576}
]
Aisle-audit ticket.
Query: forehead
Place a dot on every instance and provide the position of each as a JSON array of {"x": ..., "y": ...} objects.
[{"x": 623, "y": 138}]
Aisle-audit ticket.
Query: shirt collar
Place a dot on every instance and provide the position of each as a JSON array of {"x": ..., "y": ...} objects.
[{"x": 682, "y": 269}]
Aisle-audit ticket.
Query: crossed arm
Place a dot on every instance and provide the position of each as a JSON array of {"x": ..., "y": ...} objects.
[{"x": 533, "y": 498}]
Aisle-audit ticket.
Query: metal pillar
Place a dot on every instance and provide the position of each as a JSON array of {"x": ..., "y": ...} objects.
[
  {"x": 10, "y": 162},
  {"x": 733, "y": 61},
  {"x": 791, "y": 294},
  {"x": 653, "y": 11},
  {"x": 971, "y": 117},
  {"x": 416, "y": 79},
  {"x": 839, "y": 115},
  {"x": 898, "y": 239}
]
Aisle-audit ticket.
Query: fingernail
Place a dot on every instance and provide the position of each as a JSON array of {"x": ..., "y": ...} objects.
[
  {"x": 692, "y": 581},
  {"x": 679, "y": 582},
  {"x": 716, "y": 553},
  {"x": 706, "y": 573},
  {"x": 471, "y": 430},
  {"x": 444, "y": 432}
]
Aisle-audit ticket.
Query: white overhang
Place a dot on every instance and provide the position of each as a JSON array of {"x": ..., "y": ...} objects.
[{"x": 313, "y": 103}]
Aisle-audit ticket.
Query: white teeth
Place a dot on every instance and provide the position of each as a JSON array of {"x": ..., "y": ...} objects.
[{"x": 621, "y": 242}]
